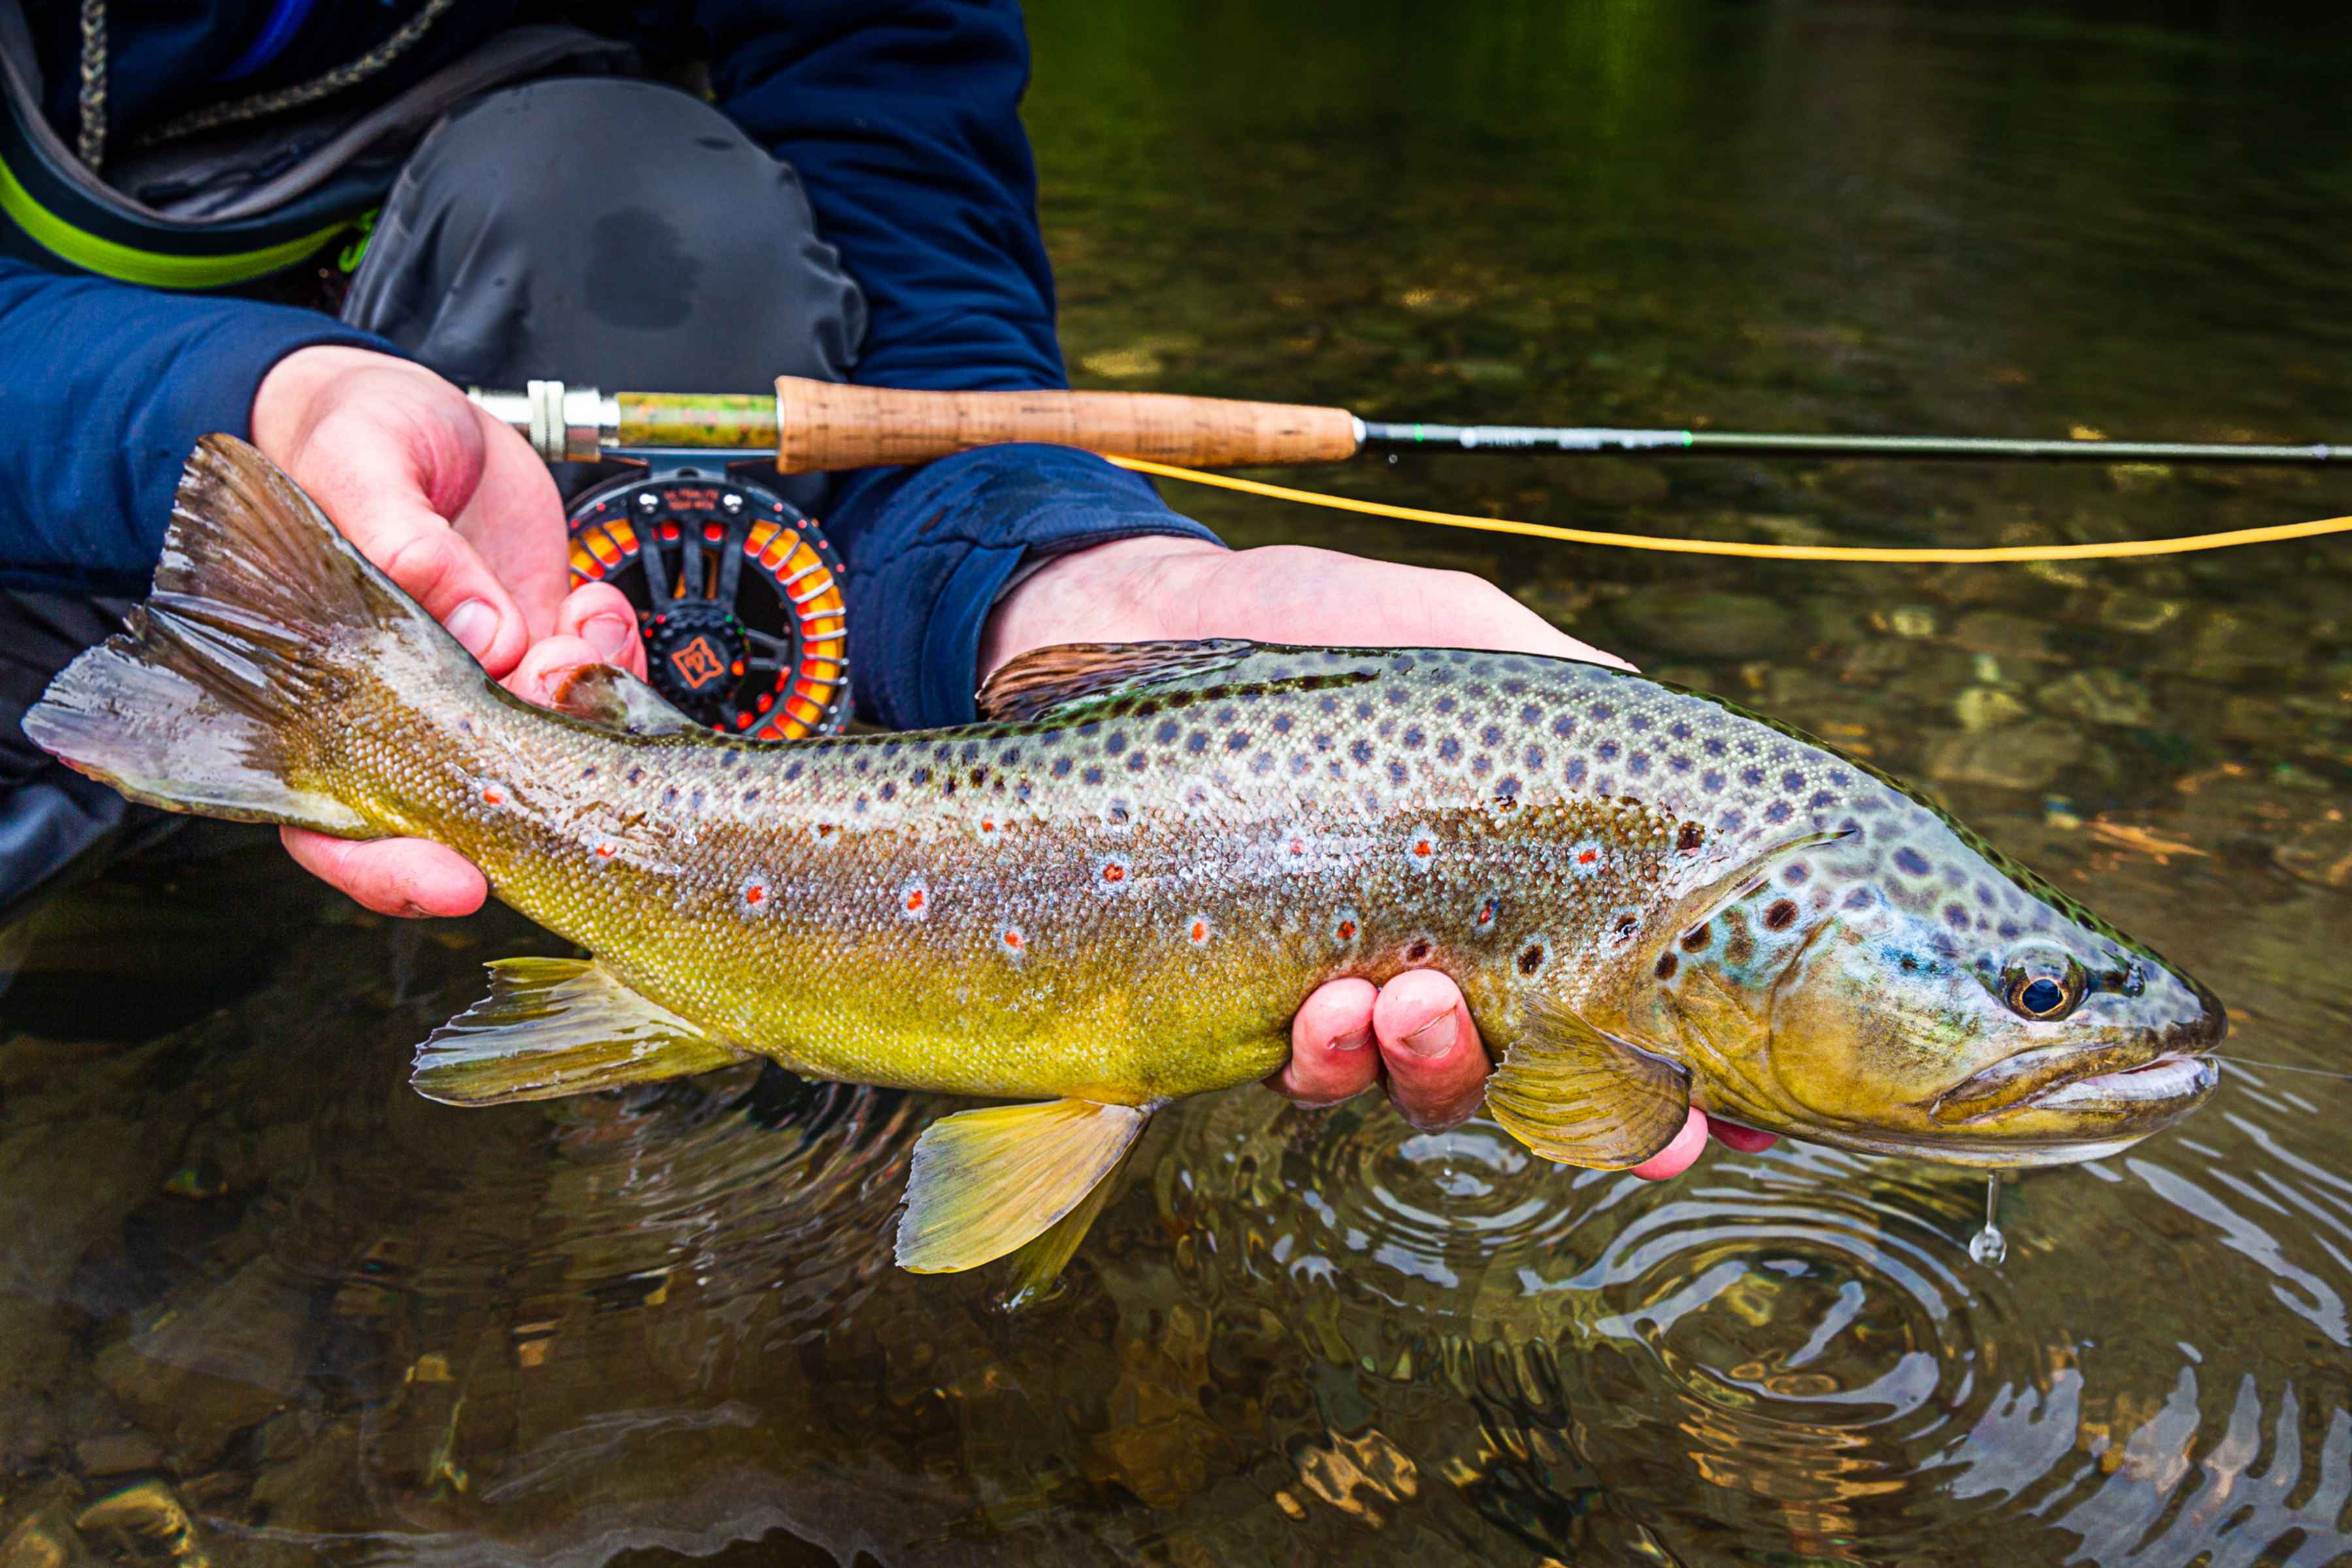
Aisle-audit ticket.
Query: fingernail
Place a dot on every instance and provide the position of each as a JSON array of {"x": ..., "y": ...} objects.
[
  {"x": 610, "y": 636},
  {"x": 1433, "y": 1038},
  {"x": 1354, "y": 1040},
  {"x": 475, "y": 624}
]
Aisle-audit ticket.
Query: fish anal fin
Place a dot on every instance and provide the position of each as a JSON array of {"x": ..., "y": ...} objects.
[
  {"x": 554, "y": 1026},
  {"x": 610, "y": 698},
  {"x": 1046, "y": 679},
  {"x": 1038, "y": 1264},
  {"x": 986, "y": 1183},
  {"x": 1577, "y": 1095}
]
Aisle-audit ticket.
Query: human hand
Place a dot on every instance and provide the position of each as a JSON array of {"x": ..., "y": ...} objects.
[
  {"x": 1413, "y": 1034},
  {"x": 455, "y": 508}
]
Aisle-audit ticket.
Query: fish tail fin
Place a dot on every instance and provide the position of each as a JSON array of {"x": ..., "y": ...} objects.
[
  {"x": 988, "y": 1182},
  {"x": 219, "y": 696}
]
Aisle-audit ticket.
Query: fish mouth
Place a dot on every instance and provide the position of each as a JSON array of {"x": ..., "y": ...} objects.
[
  {"x": 2100, "y": 1081},
  {"x": 2175, "y": 1078}
]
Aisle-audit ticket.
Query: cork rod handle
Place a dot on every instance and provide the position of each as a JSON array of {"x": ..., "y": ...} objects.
[{"x": 824, "y": 425}]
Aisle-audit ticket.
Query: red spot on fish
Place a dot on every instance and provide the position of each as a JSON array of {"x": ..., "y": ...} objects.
[
  {"x": 755, "y": 894},
  {"x": 1586, "y": 858},
  {"x": 1012, "y": 937},
  {"x": 1199, "y": 932},
  {"x": 1424, "y": 846},
  {"x": 1113, "y": 872},
  {"x": 1299, "y": 846},
  {"x": 915, "y": 901},
  {"x": 1487, "y": 912},
  {"x": 492, "y": 798},
  {"x": 1346, "y": 931},
  {"x": 608, "y": 849},
  {"x": 988, "y": 825}
]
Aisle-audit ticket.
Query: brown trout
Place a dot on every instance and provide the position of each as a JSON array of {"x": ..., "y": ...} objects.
[{"x": 1116, "y": 892}]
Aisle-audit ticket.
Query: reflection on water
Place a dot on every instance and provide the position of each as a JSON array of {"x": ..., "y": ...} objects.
[{"x": 261, "y": 1304}]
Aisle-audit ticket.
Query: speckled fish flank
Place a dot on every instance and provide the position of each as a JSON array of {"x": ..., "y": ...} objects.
[{"x": 1118, "y": 893}]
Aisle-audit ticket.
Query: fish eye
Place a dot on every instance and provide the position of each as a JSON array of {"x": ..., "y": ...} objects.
[{"x": 2042, "y": 987}]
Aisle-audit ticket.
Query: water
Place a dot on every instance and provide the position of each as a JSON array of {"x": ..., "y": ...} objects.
[
  {"x": 1989, "y": 1246},
  {"x": 259, "y": 1301}
]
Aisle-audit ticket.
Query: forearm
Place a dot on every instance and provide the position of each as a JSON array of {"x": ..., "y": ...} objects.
[{"x": 104, "y": 388}]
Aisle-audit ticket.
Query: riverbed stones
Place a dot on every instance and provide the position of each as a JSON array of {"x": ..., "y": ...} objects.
[
  {"x": 2022, "y": 756},
  {"x": 1707, "y": 623},
  {"x": 2097, "y": 696}
]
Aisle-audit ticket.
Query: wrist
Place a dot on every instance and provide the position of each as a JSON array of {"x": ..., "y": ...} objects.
[
  {"x": 1124, "y": 590},
  {"x": 298, "y": 388}
]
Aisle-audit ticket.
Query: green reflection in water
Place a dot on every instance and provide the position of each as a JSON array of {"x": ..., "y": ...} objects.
[{"x": 250, "y": 1278}]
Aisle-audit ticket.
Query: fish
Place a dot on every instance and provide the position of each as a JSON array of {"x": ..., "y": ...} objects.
[{"x": 1113, "y": 891}]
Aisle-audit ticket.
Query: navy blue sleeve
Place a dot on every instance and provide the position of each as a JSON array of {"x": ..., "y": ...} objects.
[
  {"x": 104, "y": 389},
  {"x": 903, "y": 122}
]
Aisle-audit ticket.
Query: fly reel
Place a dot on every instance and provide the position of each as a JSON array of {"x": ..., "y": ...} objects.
[{"x": 737, "y": 595}]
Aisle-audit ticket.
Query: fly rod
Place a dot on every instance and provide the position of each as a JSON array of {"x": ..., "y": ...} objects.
[{"x": 817, "y": 426}]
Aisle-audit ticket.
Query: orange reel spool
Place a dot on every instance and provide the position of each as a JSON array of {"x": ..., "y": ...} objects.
[{"x": 738, "y": 594}]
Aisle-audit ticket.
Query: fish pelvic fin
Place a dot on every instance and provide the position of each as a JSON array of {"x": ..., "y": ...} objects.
[
  {"x": 1046, "y": 680},
  {"x": 988, "y": 1182},
  {"x": 554, "y": 1026},
  {"x": 216, "y": 696},
  {"x": 1576, "y": 1094}
]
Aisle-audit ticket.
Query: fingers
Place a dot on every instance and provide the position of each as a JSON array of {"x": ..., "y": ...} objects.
[
  {"x": 1437, "y": 1064},
  {"x": 602, "y": 615},
  {"x": 1744, "y": 1140},
  {"x": 372, "y": 490},
  {"x": 1331, "y": 1041},
  {"x": 391, "y": 876},
  {"x": 1680, "y": 1155}
]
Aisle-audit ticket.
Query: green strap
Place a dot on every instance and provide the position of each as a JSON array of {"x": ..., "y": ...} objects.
[{"x": 156, "y": 269}]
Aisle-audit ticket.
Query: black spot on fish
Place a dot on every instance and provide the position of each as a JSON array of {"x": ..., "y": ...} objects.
[
  {"x": 728, "y": 759},
  {"x": 972, "y": 750},
  {"x": 1752, "y": 777},
  {"x": 1506, "y": 787},
  {"x": 1822, "y": 800},
  {"x": 1607, "y": 751},
  {"x": 1957, "y": 916},
  {"x": 1860, "y": 899},
  {"x": 1667, "y": 964},
  {"x": 1531, "y": 958},
  {"x": 1638, "y": 765},
  {"x": 919, "y": 777},
  {"x": 1530, "y": 714},
  {"x": 1417, "y": 952},
  {"x": 889, "y": 790},
  {"x": 1781, "y": 915},
  {"x": 1564, "y": 726},
  {"x": 1061, "y": 768},
  {"x": 1696, "y": 939},
  {"x": 1575, "y": 772},
  {"x": 1361, "y": 750},
  {"x": 1492, "y": 735},
  {"x": 1238, "y": 740},
  {"x": 1139, "y": 761},
  {"x": 1909, "y": 859},
  {"x": 1113, "y": 745},
  {"x": 1093, "y": 775},
  {"x": 1482, "y": 764},
  {"x": 1796, "y": 873},
  {"x": 1533, "y": 757},
  {"x": 1679, "y": 729},
  {"x": 750, "y": 795},
  {"x": 1449, "y": 748},
  {"x": 1601, "y": 712},
  {"x": 1167, "y": 732},
  {"x": 1412, "y": 739},
  {"x": 1445, "y": 705},
  {"x": 669, "y": 795},
  {"x": 1777, "y": 812},
  {"x": 1690, "y": 837},
  {"x": 636, "y": 774},
  {"x": 1627, "y": 924},
  {"x": 1713, "y": 745},
  {"x": 587, "y": 772},
  {"x": 1282, "y": 723},
  {"x": 1792, "y": 781},
  {"x": 1399, "y": 773},
  {"x": 1638, "y": 722}
]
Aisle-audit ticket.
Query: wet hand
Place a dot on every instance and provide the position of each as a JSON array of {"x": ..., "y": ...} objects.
[
  {"x": 458, "y": 510},
  {"x": 1413, "y": 1035}
]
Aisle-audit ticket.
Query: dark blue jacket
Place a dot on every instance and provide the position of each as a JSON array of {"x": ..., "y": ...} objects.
[{"x": 902, "y": 122}]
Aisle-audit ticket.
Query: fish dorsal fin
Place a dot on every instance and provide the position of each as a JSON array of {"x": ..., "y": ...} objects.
[
  {"x": 1045, "y": 679},
  {"x": 610, "y": 698},
  {"x": 1576, "y": 1094},
  {"x": 987, "y": 1181},
  {"x": 554, "y": 1026}
]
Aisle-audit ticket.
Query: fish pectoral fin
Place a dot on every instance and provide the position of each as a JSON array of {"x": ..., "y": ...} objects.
[
  {"x": 554, "y": 1026},
  {"x": 987, "y": 1181},
  {"x": 1579, "y": 1096},
  {"x": 610, "y": 698},
  {"x": 1067, "y": 675}
]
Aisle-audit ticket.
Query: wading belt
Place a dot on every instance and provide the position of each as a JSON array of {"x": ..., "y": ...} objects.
[{"x": 222, "y": 207}]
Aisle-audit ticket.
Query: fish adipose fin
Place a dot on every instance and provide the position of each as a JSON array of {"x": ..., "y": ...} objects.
[
  {"x": 1574, "y": 1094},
  {"x": 1046, "y": 680},
  {"x": 610, "y": 698},
  {"x": 262, "y": 619},
  {"x": 552, "y": 1027},
  {"x": 987, "y": 1182}
]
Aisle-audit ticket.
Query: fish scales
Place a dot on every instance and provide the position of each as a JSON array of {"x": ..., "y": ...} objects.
[
  {"x": 1131, "y": 898},
  {"x": 1118, "y": 893}
]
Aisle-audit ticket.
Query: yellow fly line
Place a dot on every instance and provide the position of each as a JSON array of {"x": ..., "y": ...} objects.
[{"x": 2114, "y": 550}]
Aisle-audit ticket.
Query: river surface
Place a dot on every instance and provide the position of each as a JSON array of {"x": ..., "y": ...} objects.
[{"x": 259, "y": 1303}]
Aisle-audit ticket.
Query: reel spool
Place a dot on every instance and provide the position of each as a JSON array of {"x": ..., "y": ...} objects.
[{"x": 737, "y": 595}]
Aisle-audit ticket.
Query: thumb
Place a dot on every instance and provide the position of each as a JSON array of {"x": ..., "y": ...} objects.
[{"x": 374, "y": 496}]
